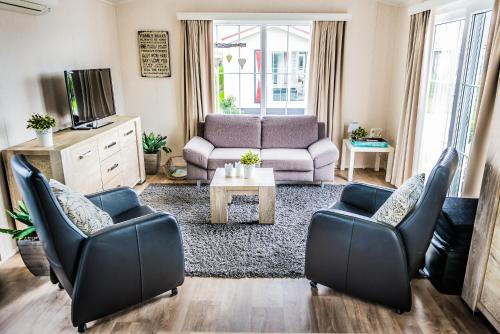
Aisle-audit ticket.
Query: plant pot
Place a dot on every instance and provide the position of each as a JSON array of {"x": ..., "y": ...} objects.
[
  {"x": 152, "y": 162},
  {"x": 248, "y": 171},
  {"x": 34, "y": 257},
  {"x": 45, "y": 137}
]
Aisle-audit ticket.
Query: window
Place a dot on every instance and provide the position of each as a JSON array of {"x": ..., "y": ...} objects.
[
  {"x": 261, "y": 69},
  {"x": 457, "y": 57}
]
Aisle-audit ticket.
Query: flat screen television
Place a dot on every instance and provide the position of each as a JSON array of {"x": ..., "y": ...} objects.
[{"x": 90, "y": 96}]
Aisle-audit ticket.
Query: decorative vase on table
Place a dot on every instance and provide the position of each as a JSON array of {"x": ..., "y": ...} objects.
[
  {"x": 248, "y": 171},
  {"x": 45, "y": 137}
]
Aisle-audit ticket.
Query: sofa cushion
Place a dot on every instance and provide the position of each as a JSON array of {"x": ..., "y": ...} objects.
[
  {"x": 221, "y": 156},
  {"x": 197, "y": 151},
  {"x": 323, "y": 152},
  {"x": 401, "y": 202},
  {"x": 289, "y": 131},
  {"x": 233, "y": 130},
  {"x": 79, "y": 209},
  {"x": 287, "y": 159}
]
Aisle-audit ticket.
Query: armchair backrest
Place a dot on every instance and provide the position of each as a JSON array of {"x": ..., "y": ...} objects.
[
  {"x": 61, "y": 239},
  {"x": 418, "y": 226}
]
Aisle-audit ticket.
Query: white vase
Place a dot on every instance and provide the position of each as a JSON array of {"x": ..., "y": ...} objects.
[
  {"x": 228, "y": 169},
  {"x": 45, "y": 137},
  {"x": 239, "y": 169},
  {"x": 248, "y": 171}
]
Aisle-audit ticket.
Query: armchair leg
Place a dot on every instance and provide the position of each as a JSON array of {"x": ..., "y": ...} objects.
[
  {"x": 198, "y": 183},
  {"x": 60, "y": 286},
  {"x": 399, "y": 311},
  {"x": 82, "y": 328},
  {"x": 313, "y": 285},
  {"x": 174, "y": 292}
]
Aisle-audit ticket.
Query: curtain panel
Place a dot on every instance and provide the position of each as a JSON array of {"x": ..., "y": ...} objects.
[
  {"x": 405, "y": 143},
  {"x": 325, "y": 76},
  {"x": 198, "y": 97},
  {"x": 489, "y": 97}
]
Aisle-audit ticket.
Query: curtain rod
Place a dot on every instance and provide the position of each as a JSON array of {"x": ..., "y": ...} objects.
[{"x": 264, "y": 16}]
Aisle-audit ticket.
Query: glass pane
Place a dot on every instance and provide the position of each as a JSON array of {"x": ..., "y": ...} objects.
[
  {"x": 468, "y": 97},
  {"x": 277, "y": 94},
  {"x": 228, "y": 94},
  {"x": 247, "y": 95},
  {"x": 445, "y": 55}
]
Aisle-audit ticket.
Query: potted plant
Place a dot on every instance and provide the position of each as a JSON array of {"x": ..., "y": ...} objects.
[
  {"x": 359, "y": 133},
  {"x": 29, "y": 245},
  {"x": 152, "y": 145},
  {"x": 249, "y": 160},
  {"x": 42, "y": 124}
]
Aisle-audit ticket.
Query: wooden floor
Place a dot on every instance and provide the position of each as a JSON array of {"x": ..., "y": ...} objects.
[{"x": 33, "y": 305}]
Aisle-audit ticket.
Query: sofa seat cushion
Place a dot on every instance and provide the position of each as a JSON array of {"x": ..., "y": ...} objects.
[
  {"x": 289, "y": 131},
  {"x": 221, "y": 156},
  {"x": 229, "y": 131},
  {"x": 287, "y": 159}
]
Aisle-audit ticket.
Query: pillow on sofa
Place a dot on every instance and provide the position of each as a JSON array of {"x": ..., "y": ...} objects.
[
  {"x": 401, "y": 202},
  {"x": 85, "y": 215}
]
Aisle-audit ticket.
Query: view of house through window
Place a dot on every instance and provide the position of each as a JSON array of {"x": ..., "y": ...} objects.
[
  {"x": 261, "y": 69},
  {"x": 457, "y": 58}
]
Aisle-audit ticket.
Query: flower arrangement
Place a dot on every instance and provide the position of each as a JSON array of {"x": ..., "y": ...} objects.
[{"x": 359, "y": 133}]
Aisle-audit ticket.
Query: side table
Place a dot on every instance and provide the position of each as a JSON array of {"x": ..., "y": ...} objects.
[{"x": 347, "y": 146}]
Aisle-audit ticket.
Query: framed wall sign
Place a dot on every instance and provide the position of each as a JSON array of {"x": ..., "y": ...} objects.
[{"x": 154, "y": 54}]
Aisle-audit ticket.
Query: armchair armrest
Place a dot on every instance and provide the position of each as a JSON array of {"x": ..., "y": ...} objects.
[
  {"x": 365, "y": 197},
  {"x": 115, "y": 201},
  {"x": 356, "y": 255},
  {"x": 197, "y": 151},
  {"x": 125, "y": 264},
  {"x": 323, "y": 152}
]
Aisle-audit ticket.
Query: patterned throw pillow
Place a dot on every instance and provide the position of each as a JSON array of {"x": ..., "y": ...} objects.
[
  {"x": 85, "y": 215},
  {"x": 401, "y": 202}
]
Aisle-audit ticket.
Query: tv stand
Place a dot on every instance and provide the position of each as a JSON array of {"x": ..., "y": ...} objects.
[{"x": 92, "y": 125}]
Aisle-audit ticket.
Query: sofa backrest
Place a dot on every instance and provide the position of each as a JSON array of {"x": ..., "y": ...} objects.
[
  {"x": 233, "y": 130},
  {"x": 289, "y": 131}
]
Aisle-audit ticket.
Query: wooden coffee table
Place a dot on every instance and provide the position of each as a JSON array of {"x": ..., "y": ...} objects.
[{"x": 223, "y": 188}]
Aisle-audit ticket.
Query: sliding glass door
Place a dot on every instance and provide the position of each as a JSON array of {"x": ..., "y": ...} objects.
[{"x": 450, "y": 112}]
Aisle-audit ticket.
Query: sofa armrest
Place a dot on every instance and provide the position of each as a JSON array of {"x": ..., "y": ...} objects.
[
  {"x": 115, "y": 201},
  {"x": 359, "y": 256},
  {"x": 125, "y": 264},
  {"x": 365, "y": 197},
  {"x": 197, "y": 151},
  {"x": 323, "y": 152}
]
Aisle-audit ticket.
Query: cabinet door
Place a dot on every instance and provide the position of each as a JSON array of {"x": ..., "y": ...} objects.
[
  {"x": 129, "y": 141},
  {"x": 84, "y": 172},
  {"x": 490, "y": 296}
]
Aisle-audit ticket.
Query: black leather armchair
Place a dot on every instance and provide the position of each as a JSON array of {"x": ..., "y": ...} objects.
[
  {"x": 350, "y": 252},
  {"x": 137, "y": 258}
]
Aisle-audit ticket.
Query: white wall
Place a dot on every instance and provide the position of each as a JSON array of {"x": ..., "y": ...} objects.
[
  {"x": 35, "y": 50},
  {"x": 374, "y": 59}
]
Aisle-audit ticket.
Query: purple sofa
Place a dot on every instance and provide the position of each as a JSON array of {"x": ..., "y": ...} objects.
[{"x": 296, "y": 147}]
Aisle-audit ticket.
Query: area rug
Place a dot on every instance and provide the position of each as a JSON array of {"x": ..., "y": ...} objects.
[{"x": 243, "y": 248}]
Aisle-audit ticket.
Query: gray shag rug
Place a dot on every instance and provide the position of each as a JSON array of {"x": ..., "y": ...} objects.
[{"x": 243, "y": 248}]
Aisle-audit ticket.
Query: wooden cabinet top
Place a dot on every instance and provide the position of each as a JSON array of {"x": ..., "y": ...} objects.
[{"x": 68, "y": 137}]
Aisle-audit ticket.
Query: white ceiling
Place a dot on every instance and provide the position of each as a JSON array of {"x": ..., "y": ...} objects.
[{"x": 390, "y": 2}]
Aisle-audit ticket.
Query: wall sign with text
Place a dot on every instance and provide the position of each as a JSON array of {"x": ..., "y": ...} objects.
[{"x": 154, "y": 54}]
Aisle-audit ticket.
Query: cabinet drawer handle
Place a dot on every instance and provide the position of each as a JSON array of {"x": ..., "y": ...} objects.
[
  {"x": 83, "y": 155},
  {"x": 110, "y": 145},
  {"x": 112, "y": 167},
  {"x": 128, "y": 133}
]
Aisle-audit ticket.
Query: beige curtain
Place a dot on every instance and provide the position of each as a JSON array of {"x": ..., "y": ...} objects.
[
  {"x": 405, "y": 144},
  {"x": 325, "y": 79},
  {"x": 489, "y": 97},
  {"x": 198, "y": 98}
]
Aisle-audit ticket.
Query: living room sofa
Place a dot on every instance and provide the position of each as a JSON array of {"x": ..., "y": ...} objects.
[{"x": 296, "y": 147}]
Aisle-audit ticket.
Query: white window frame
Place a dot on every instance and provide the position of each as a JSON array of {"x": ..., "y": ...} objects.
[{"x": 263, "y": 51}]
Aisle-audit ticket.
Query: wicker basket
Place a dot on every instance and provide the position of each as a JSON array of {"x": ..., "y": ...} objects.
[{"x": 175, "y": 168}]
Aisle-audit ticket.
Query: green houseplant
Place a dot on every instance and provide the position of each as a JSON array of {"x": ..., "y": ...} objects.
[
  {"x": 30, "y": 247},
  {"x": 359, "y": 133},
  {"x": 42, "y": 124},
  {"x": 152, "y": 145},
  {"x": 228, "y": 105},
  {"x": 249, "y": 160}
]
